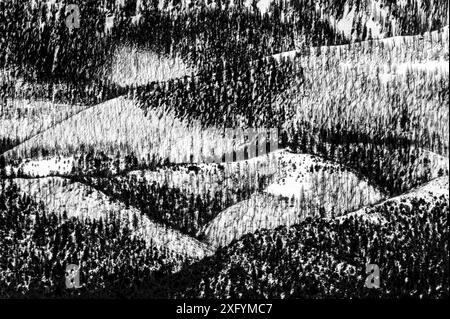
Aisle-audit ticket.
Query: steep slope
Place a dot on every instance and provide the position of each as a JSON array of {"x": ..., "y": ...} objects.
[
  {"x": 113, "y": 259},
  {"x": 327, "y": 258},
  {"x": 430, "y": 191},
  {"x": 187, "y": 197},
  {"x": 81, "y": 201},
  {"x": 384, "y": 113},
  {"x": 303, "y": 186},
  {"x": 118, "y": 128},
  {"x": 21, "y": 119}
]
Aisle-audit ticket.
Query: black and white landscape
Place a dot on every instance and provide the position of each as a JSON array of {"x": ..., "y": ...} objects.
[{"x": 224, "y": 149}]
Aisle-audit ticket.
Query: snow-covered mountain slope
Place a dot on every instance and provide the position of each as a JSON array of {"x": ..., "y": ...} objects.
[
  {"x": 119, "y": 126},
  {"x": 200, "y": 178},
  {"x": 304, "y": 185},
  {"x": 436, "y": 188},
  {"x": 81, "y": 201},
  {"x": 258, "y": 212},
  {"x": 364, "y": 82},
  {"x": 376, "y": 19},
  {"x": 303, "y": 175},
  {"x": 21, "y": 119},
  {"x": 395, "y": 53},
  {"x": 306, "y": 182}
]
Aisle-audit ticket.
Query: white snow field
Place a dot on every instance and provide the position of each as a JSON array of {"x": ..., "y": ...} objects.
[
  {"x": 42, "y": 167},
  {"x": 21, "y": 118},
  {"x": 81, "y": 201}
]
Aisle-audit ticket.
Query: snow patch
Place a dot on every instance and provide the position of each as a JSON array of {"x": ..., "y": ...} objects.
[{"x": 42, "y": 167}]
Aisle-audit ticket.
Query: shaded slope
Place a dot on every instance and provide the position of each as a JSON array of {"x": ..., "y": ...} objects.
[
  {"x": 321, "y": 258},
  {"x": 118, "y": 128},
  {"x": 81, "y": 201}
]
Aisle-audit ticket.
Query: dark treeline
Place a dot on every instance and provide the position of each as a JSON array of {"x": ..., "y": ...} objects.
[
  {"x": 395, "y": 168},
  {"x": 36, "y": 41},
  {"x": 186, "y": 210},
  {"x": 315, "y": 259},
  {"x": 80, "y": 93},
  {"x": 36, "y": 246},
  {"x": 38, "y": 45},
  {"x": 6, "y": 144},
  {"x": 415, "y": 18},
  {"x": 320, "y": 258},
  {"x": 263, "y": 95},
  {"x": 205, "y": 37},
  {"x": 228, "y": 96}
]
